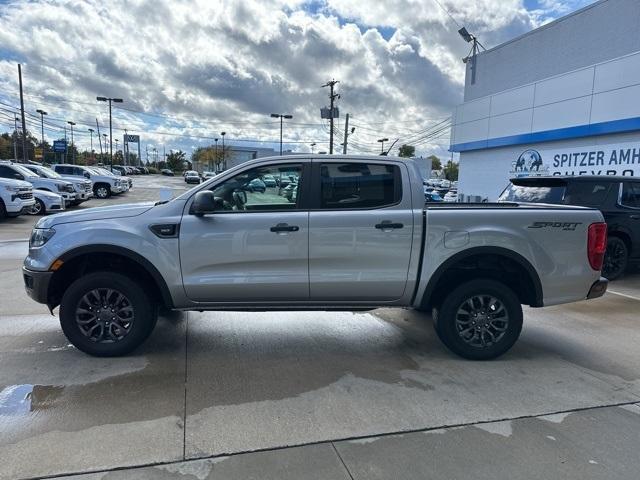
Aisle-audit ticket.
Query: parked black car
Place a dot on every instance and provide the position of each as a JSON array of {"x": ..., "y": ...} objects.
[
  {"x": 618, "y": 198},
  {"x": 167, "y": 172}
]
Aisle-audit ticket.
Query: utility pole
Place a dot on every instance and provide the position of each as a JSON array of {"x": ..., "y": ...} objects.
[
  {"x": 25, "y": 154},
  {"x": 312, "y": 146},
  {"x": 332, "y": 98},
  {"x": 15, "y": 138},
  {"x": 346, "y": 134},
  {"x": 73, "y": 151}
]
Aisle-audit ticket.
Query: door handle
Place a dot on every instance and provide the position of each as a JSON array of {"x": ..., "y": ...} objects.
[
  {"x": 284, "y": 227},
  {"x": 388, "y": 225}
]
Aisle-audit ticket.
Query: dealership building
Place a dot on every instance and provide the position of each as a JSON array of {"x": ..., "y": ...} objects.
[{"x": 563, "y": 99}]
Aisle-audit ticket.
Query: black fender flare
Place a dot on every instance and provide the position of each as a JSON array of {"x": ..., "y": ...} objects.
[
  {"x": 499, "y": 251},
  {"x": 129, "y": 254}
]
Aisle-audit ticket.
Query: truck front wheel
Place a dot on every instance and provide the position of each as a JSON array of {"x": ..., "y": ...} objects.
[
  {"x": 479, "y": 320},
  {"x": 106, "y": 314},
  {"x": 102, "y": 190}
]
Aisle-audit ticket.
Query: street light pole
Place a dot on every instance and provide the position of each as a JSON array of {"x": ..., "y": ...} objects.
[
  {"x": 281, "y": 117},
  {"x": 381, "y": 142},
  {"x": 114, "y": 100},
  {"x": 91, "y": 140},
  {"x": 73, "y": 152},
  {"x": 42, "y": 114},
  {"x": 224, "y": 161}
]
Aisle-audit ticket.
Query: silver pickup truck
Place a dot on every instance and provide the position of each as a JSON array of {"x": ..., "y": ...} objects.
[{"x": 313, "y": 233}]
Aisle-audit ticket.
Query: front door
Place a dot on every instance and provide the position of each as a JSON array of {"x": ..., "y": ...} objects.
[
  {"x": 255, "y": 249},
  {"x": 360, "y": 231}
]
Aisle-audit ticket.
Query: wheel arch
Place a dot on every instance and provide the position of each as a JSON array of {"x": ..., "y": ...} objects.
[
  {"x": 491, "y": 262},
  {"x": 92, "y": 258}
]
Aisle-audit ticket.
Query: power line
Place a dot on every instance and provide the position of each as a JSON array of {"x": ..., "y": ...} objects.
[{"x": 448, "y": 13}]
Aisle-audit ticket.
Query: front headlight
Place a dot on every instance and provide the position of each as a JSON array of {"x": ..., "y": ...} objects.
[
  {"x": 40, "y": 236},
  {"x": 12, "y": 188},
  {"x": 61, "y": 187}
]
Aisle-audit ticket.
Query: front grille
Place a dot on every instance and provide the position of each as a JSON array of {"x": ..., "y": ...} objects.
[
  {"x": 25, "y": 195},
  {"x": 87, "y": 187}
]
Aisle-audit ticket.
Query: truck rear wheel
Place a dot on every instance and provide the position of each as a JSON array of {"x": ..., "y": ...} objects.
[
  {"x": 615, "y": 258},
  {"x": 106, "y": 314},
  {"x": 479, "y": 320}
]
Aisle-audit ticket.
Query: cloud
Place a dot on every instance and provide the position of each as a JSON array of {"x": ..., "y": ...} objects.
[{"x": 197, "y": 68}]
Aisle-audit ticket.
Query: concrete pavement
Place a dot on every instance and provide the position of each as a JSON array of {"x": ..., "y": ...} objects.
[{"x": 321, "y": 395}]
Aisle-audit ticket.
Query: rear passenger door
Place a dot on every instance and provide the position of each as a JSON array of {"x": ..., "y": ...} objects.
[{"x": 360, "y": 231}]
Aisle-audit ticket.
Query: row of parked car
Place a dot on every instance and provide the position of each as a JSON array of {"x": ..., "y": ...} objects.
[
  {"x": 440, "y": 190},
  {"x": 36, "y": 189}
]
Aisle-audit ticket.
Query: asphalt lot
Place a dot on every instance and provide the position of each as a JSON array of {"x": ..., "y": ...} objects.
[{"x": 317, "y": 395}]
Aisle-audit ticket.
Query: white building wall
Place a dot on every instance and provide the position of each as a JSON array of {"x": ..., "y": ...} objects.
[{"x": 485, "y": 173}]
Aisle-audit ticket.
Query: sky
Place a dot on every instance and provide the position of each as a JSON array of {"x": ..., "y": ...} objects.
[{"x": 188, "y": 70}]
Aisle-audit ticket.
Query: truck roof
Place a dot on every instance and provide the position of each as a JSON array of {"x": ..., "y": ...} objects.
[{"x": 573, "y": 178}]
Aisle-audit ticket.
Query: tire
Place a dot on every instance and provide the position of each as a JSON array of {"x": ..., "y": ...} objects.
[
  {"x": 3, "y": 210},
  {"x": 102, "y": 190},
  {"x": 137, "y": 312},
  {"x": 616, "y": 258},
  {"x": 500, "y": 330},
  {"x": 38, "y": 208}
]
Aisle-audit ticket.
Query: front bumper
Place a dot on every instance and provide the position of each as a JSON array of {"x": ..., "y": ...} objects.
[
  {"x": 598, "y": 288},
  {"x": 19, "y": 207},
  {"x": 37, "y": 284}
]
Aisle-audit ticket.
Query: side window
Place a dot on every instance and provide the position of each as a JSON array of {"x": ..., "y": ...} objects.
[
  {"x": 77, "y": 171},
  {"x": 359, "y": 185},
  {"x": 6, "y": 172},
  {"x": 631, "y": 194},
  {"x": 272, "y": 187},
  {"x": 63, "y": 170},
  {"x": 585, "y": 193}
]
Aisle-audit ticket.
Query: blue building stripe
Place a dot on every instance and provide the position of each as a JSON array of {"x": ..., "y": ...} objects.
[{"x": 580, "y": 131}]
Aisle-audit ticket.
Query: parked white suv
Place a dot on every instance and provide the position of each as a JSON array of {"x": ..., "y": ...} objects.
[
  {"x": 103, "y": 185},
  {"x": 16, "y": 197},
  {"x": 81, "y": 186},
  {"x": 60, "y": 186}
]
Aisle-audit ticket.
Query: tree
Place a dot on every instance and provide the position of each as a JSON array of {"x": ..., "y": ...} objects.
[
  {"x": 435, "y": 162},
  {"x": 407, "y": 151},
  {"x": 210, "y": 158},
  {"x": 175, "y": 160},
  {"x": 451, "y": 171}
]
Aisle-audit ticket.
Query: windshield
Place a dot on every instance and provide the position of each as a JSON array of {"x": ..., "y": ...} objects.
[
  {"x": 24, "y": 171},
  {"x": 48, "y": 173}
]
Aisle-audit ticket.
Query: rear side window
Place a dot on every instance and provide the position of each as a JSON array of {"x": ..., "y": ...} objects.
[
  {"x": 359, "y": 185},
  {"x": 63, "y": 170},
  {"x": 631, "y": 194},
  {"x": 533, "y": 194},
  {"x": 587, "y": 194}
]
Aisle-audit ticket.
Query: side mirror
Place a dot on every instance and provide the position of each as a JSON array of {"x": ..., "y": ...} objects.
[
  {"x": 87, "y": 175},
  {"x": 19, "y": 176},
  {"x": 205, "y": 203}
]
